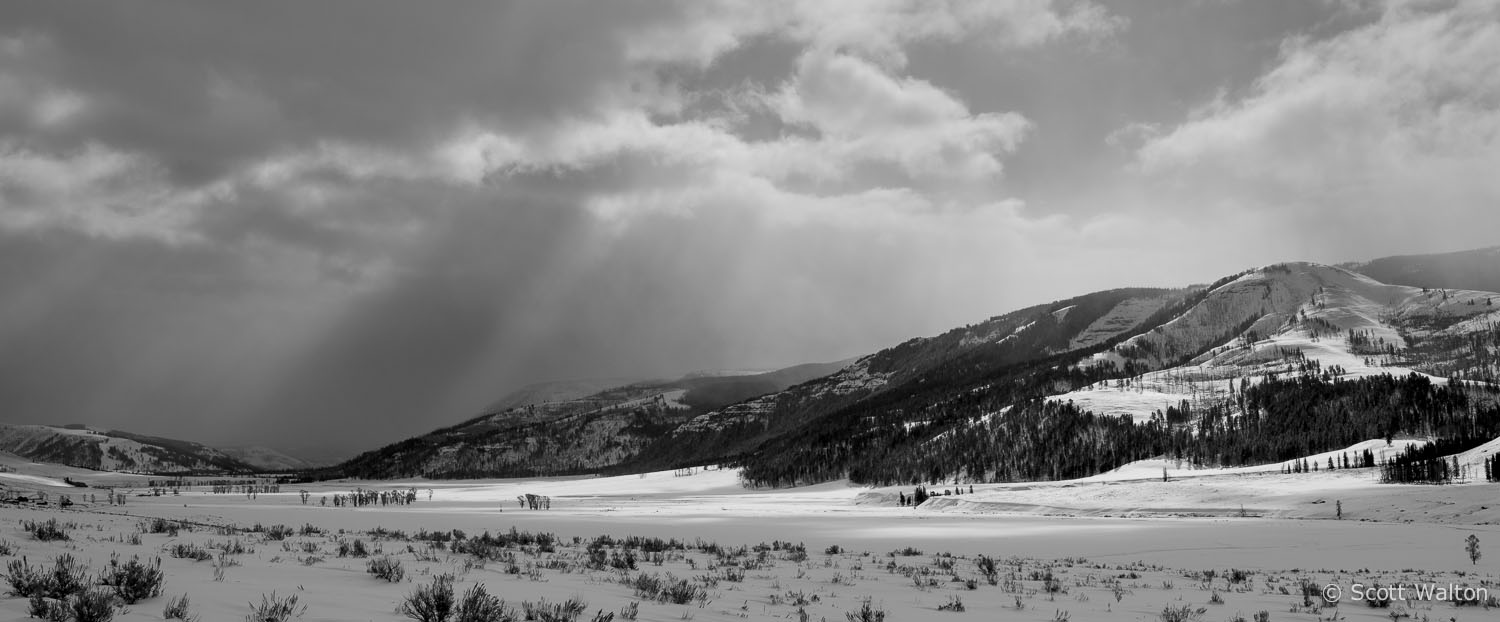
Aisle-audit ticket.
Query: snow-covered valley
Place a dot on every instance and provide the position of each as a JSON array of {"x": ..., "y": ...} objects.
[
  {"x": 1173, "y": 536},
  {"x": 1123, "y": 545}
]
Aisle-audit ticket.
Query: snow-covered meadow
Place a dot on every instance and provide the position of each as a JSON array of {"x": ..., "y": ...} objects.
[{"x": 1121, "y": 546}]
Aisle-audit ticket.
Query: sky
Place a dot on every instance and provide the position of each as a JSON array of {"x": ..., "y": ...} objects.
[{"x": 327, "y": 226}]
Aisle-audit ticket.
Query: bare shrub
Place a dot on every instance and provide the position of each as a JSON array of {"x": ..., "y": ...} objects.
[
  {"x": 430, "y": 603},
  {"x": 46, "y": 531},
  {"x": 866, "y": 613},
  {"x": 68, "y": 577},
  {"x": 25, "y": 580},
  {"x": 274, "y": 609},
  {"x": 1185, "y": 613},
  {"x": 386, "y": 568},
  {"x": 188, "y": 550},
  {"x": 478, "y": 605},
  {"x": 133, "y": 581},
  {"x": 566, "y": 611},
  {"x": 160, "y": 525},
  {"x": 92, "y": 606},
  {"x": 177, "y": 609}
]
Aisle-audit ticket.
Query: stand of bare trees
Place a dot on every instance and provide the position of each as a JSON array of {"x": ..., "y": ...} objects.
[{"x": 535, "y": 502}]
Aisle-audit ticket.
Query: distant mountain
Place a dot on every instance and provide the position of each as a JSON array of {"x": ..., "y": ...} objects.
[
  {"x": 267, "y": 459},
  {"x": 567, "y": 433},
  {"x": 114, "y": 450},
  {"x": 1474, "y": 270},
  {"x": 1286, "y": 358},
  {"x": 556, "y": 391},
  {"x": 896, "y": 391}
]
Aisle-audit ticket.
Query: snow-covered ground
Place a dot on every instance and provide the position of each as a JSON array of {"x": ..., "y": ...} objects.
[
  {"x": 1124, "y": 316},
  {"x": 113, "y": 451},
  {"x": 1307, "y": 312},
  {"x": 1098, "y": 570},
  {"x": 18, "y": 473},
  {"x": 1129, "y": 528}
]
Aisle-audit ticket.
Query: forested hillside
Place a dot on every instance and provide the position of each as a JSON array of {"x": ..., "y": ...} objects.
[
  {"x": 608, "y": 430},
  {"x": 114, "y": 450},
  {"x": 1261, "y": 366},
  {"x": 1220, "y": 381}
]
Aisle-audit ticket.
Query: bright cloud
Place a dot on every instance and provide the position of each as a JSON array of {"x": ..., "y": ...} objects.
[{"x": 1400, "y": 112}]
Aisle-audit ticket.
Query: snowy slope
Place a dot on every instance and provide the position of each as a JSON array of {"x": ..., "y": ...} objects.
[
  {"x": 1271, "y": 320},
  {"x": 1124, "y": 316},
  {"x": 1472, "y": 460},
  {"x": 19, "y": 473},
  {"x": 1175, "y": 469},
  {"x": 1014, "y": 338},
  {"x": 855, "y": 379},
  {"x": 113, "y": 451}
]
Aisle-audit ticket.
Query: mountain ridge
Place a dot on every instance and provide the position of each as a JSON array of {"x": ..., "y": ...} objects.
[
  {"x": 115, "y": 450},
  {"x": 1468, "y": 269},
  {"x": 601, "y": 431},
  {"x": 1287, "y": 316}
]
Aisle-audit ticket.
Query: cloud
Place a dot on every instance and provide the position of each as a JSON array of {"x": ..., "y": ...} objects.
[
  {"x": 865, "y": 114},
  {"x": 883, "y": 30},
  {"x": 211, "y": 108},
  {"x": 1363, "y": 125},
  {"x": 94, "y": 189},
  {"x": 362, "y": 220},
  {"x": 845, "y": 90}
]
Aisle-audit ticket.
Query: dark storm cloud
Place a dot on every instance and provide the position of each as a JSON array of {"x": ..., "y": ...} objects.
[
  {"x": 79, "y": 318},
  {"x": 204, "y": 87},
  {"x": 404, "y": 352}
]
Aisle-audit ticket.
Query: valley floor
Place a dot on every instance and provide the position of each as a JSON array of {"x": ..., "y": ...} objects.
[{"x": 1120, "y": 547}]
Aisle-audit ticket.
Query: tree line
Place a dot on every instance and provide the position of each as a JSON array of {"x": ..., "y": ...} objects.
[{"x": 975, "y": 437}]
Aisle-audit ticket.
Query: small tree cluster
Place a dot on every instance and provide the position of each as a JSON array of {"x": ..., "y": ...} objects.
[
  {"x": 361, "y": 497},
  {"x": 1425, "y": 464},
  {"x": 918, "y": 497},
  {"x": 535, "y": 502}
]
